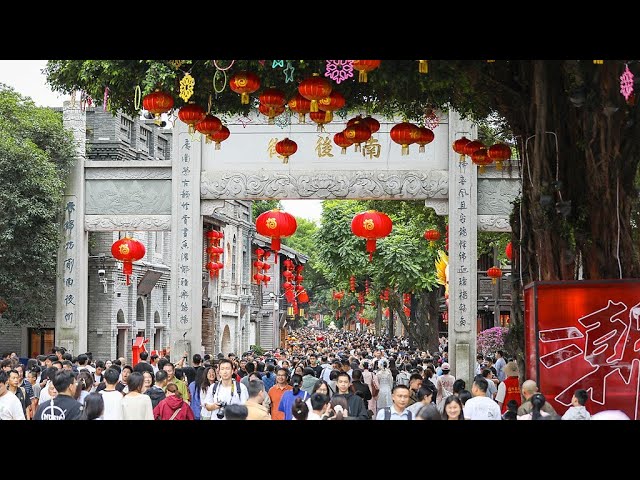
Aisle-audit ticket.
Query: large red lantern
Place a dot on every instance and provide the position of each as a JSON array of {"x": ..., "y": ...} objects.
[
  {"x": 209, "y": 126},
  {"x": 499, "y": 153},
  {"x": 244, "y": 83},
  {"x": 472, "y": 146},
  {"x": 303, "y": 297},
  {"x": 494, "y": 273},
  {"x": 458, "y": 146},
  {"x": 372, "y": 123},
  {"x": 272, "y": 97},
  {"x": 300, "y": 105},
  {"x": 508, "y": 251},
  {"x": 357, "y": 133},
  {"x": 315, "y": 88},
  {"x": 286, "y": 148},
  {"x": 335, "y": 101},
  {"x": 220, "y": 136},
  {"x": 480, "y": 158},
  {"x": 340, "y": 140},
  {"x": 404, "y": 134},
  {"x": 371, "y": 225},
  {"x": 271, "y": 112},
  {"x": 432, "y": 235},
  {"x": 364, "y": 66},
  {"x": 320, "y": 118},
  {"x": 157, "y": 103},
  {"x": 425, "y": 137},
  {"x": 276, "y": 224},
  {"x": 191, "y": 114},
  {"x": 127, "y": 250}
]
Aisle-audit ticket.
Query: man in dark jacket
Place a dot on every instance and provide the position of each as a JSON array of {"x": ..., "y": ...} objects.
[
  {"x": 63, "y": 406},
  {"x": 356, "y": 406},
  {"x": 156, "y": 393},
  {"x": 360, "y": 388}
]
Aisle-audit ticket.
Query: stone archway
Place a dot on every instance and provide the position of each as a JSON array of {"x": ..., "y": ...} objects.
[{"x": 226, "y": 346}]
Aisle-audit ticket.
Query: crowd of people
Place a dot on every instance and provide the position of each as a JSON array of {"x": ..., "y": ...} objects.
[{"x": 318, "y": 375}]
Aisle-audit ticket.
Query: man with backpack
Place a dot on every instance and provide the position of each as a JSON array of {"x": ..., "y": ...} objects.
[
  {"x": 225, "y": 392},
  {"x": 398, "y": 411}
]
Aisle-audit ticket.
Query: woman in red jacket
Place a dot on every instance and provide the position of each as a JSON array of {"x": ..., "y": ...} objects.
[{"x": 173, "y": 407}]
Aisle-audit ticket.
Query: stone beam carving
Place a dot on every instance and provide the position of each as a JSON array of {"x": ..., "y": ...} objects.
[
  {"x": 493, "y": 223},
  {"x": 209, "y": 207},
  {"x": 111, "y": 223},
  {"x": 128, "y": 173},
  {"x": 495, "y": 195},
  {"x": 440, "y": 206},
  {"x": 356, "y": 184},
  {"x": 128, "y": 197}
]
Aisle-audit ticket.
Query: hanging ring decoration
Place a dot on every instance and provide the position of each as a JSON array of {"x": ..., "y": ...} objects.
[
  {"x": 215, "y": 63},
  {"x": 137, "y": 96},
  {"x": 209, "y": 106},
  {"x": 215, "y": 75}
]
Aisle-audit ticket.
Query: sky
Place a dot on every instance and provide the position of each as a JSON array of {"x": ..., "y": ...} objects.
[{"x": 26, "y": 78}]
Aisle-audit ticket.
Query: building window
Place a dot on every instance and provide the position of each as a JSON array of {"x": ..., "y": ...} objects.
[
  {"x": 244, "y": 264},
  {"x": 144, "y": 139},
  {"x": 41, "y": 341},
  {"x": 233, "y": 262},
  {"x": 161, "y": 148},
  {"x": 126, "y": 128}
]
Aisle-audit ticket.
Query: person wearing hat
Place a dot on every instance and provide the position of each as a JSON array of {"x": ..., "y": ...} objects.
[
  {"x": 509, "y": 388},
  {"x": 444, "y": 385}
]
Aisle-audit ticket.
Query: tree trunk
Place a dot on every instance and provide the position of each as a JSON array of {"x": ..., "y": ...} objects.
[{"x": 422, "y": 326}]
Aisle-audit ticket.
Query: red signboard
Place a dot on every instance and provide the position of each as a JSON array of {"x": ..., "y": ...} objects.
[{"x": 585, "y": 334}]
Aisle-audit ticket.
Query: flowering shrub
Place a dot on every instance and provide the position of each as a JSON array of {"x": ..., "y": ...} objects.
[{"x": 491, "y": 340}]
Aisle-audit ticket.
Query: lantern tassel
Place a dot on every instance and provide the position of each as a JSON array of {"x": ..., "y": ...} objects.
[
  {"x": 344, "y": 150},
  {"x": 481, "y": 169},
  {"x": 128, "y": 280},
  {"x": 244, "y": 98},
  {"x": 498, "y": 165},
  {"x": 461, "y": 157},
  {"x": 328, "y": 116},
  {"x": 362, "y": 77},
  {"x": 275, "y": 246},
  {"x": 421, "y": 149},
  {"x": 301, "y": 118},
  {"x": 314, "y": 105},
  {"x": 371, "y": 247},
  {"x": 405, "y": 150},
  {"x": 423, "y": 66},
  {"x": 217, "y": 146}
]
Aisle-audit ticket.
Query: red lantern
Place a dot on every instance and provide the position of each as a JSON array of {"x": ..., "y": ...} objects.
[
  {"x": 276, "y": 224},
  {"x": 480, "y": 158},
  {"x": 315, "y": 88},
  {"x": 303, "y": 297},
  {"x": 266, "y": 266},
  {"x": 209, "y": 126},
  {"x": 472, "y": 146},
  {"x": 290, "y": 296},
  {"x": 213, "y": 268},
  {"x": 271, "y": 112},
  {"x": 371, "y": 225},
  {"x": 458, "y": 146},
  {"x": 266, "y": 279},
  {"x": 157, "y": 103},
  {"x": 352, "y": 283},
  {"x": 338, "y": 296},
  {"x": 320, "y": 118},
  {"x": 288, "y": 274},
  {"x": 258, "y": 264},
  {"x": 509, "y": 251},
  {"x": 300, "y": 105},
  {"x": 299, "y": 278},
  {"x": 372, "y": 123},
  {"x": 272, "y": 97},
  {"x": 127, "y": 250},
  {"x": 499, "y": 153},
  {"x": 299, "y": 268},
  {"x": 244, "y": 83},
  {"x": 404, "y": 134},
  {"x": 258, "y": 277},
  {"x": 425, "y": 137},
  {"x": 220, "y": 136},
  {"x": 191, "y": 114},
  {"x": 259, "y": 252},
  {"x": 432, "y": 235},
  {"x": 286, "y": 148},
  {"x": 287, "y": 286},
  {"x": 288, "y": 263},
  {"x": 335, "y": 101},
  {"x": 364, "y": 66},
  {"x": 357, "y": 133},
  {"x": 495, "y": 273}
]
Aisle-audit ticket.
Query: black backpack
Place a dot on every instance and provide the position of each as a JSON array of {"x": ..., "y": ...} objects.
[{"x": 215, "y": 387}]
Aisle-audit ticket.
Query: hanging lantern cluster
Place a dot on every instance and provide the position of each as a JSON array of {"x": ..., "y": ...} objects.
[
  {"x": 478, "y": 152},
  {"x": 128, "y": 250},
  {"x": 157, "y": 103},
  {"x": 494, "y": 273},
  {"x": 357, "y": 131},
  {"x": 214, "y": 250},
  {"x": 406, "y": 304},
  {"x": 432, "y": 235},
  {"x": 352, "y": 284},
  {"x": 300, "y": 105},
  {"x": 315, "y": 89},
  {"x": 384, "y": 295},
  {"x": 338, "y": 296},
  {"x": 361, "y": 298},
  {"x": 276, "y": 224},
  {"x": 371, "y": 225},
  {"x": 262, "y": 266}
]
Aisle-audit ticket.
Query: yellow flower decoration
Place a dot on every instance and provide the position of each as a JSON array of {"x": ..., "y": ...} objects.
[{"x": 186, "y": 87}]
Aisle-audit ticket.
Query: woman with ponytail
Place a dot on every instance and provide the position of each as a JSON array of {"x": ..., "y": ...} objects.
[
  {"x": 300, "y": 410},
  {"x": 289, "y": 397}
]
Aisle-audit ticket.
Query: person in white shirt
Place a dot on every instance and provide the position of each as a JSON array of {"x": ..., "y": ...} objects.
[
  {"x": 481, "y": 407},
  {"x": 225, "y": 392},
  {"x": 10, "y": 406},
  {"x": 112, "y": 397},
  {"x": 398, "y": 411}
]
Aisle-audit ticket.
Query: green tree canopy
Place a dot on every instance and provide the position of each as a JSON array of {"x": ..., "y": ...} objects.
[{"x": 35, "y": 155}]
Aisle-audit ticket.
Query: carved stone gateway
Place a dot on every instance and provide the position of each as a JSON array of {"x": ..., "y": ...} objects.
[{"x": 175, "y": 195}]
